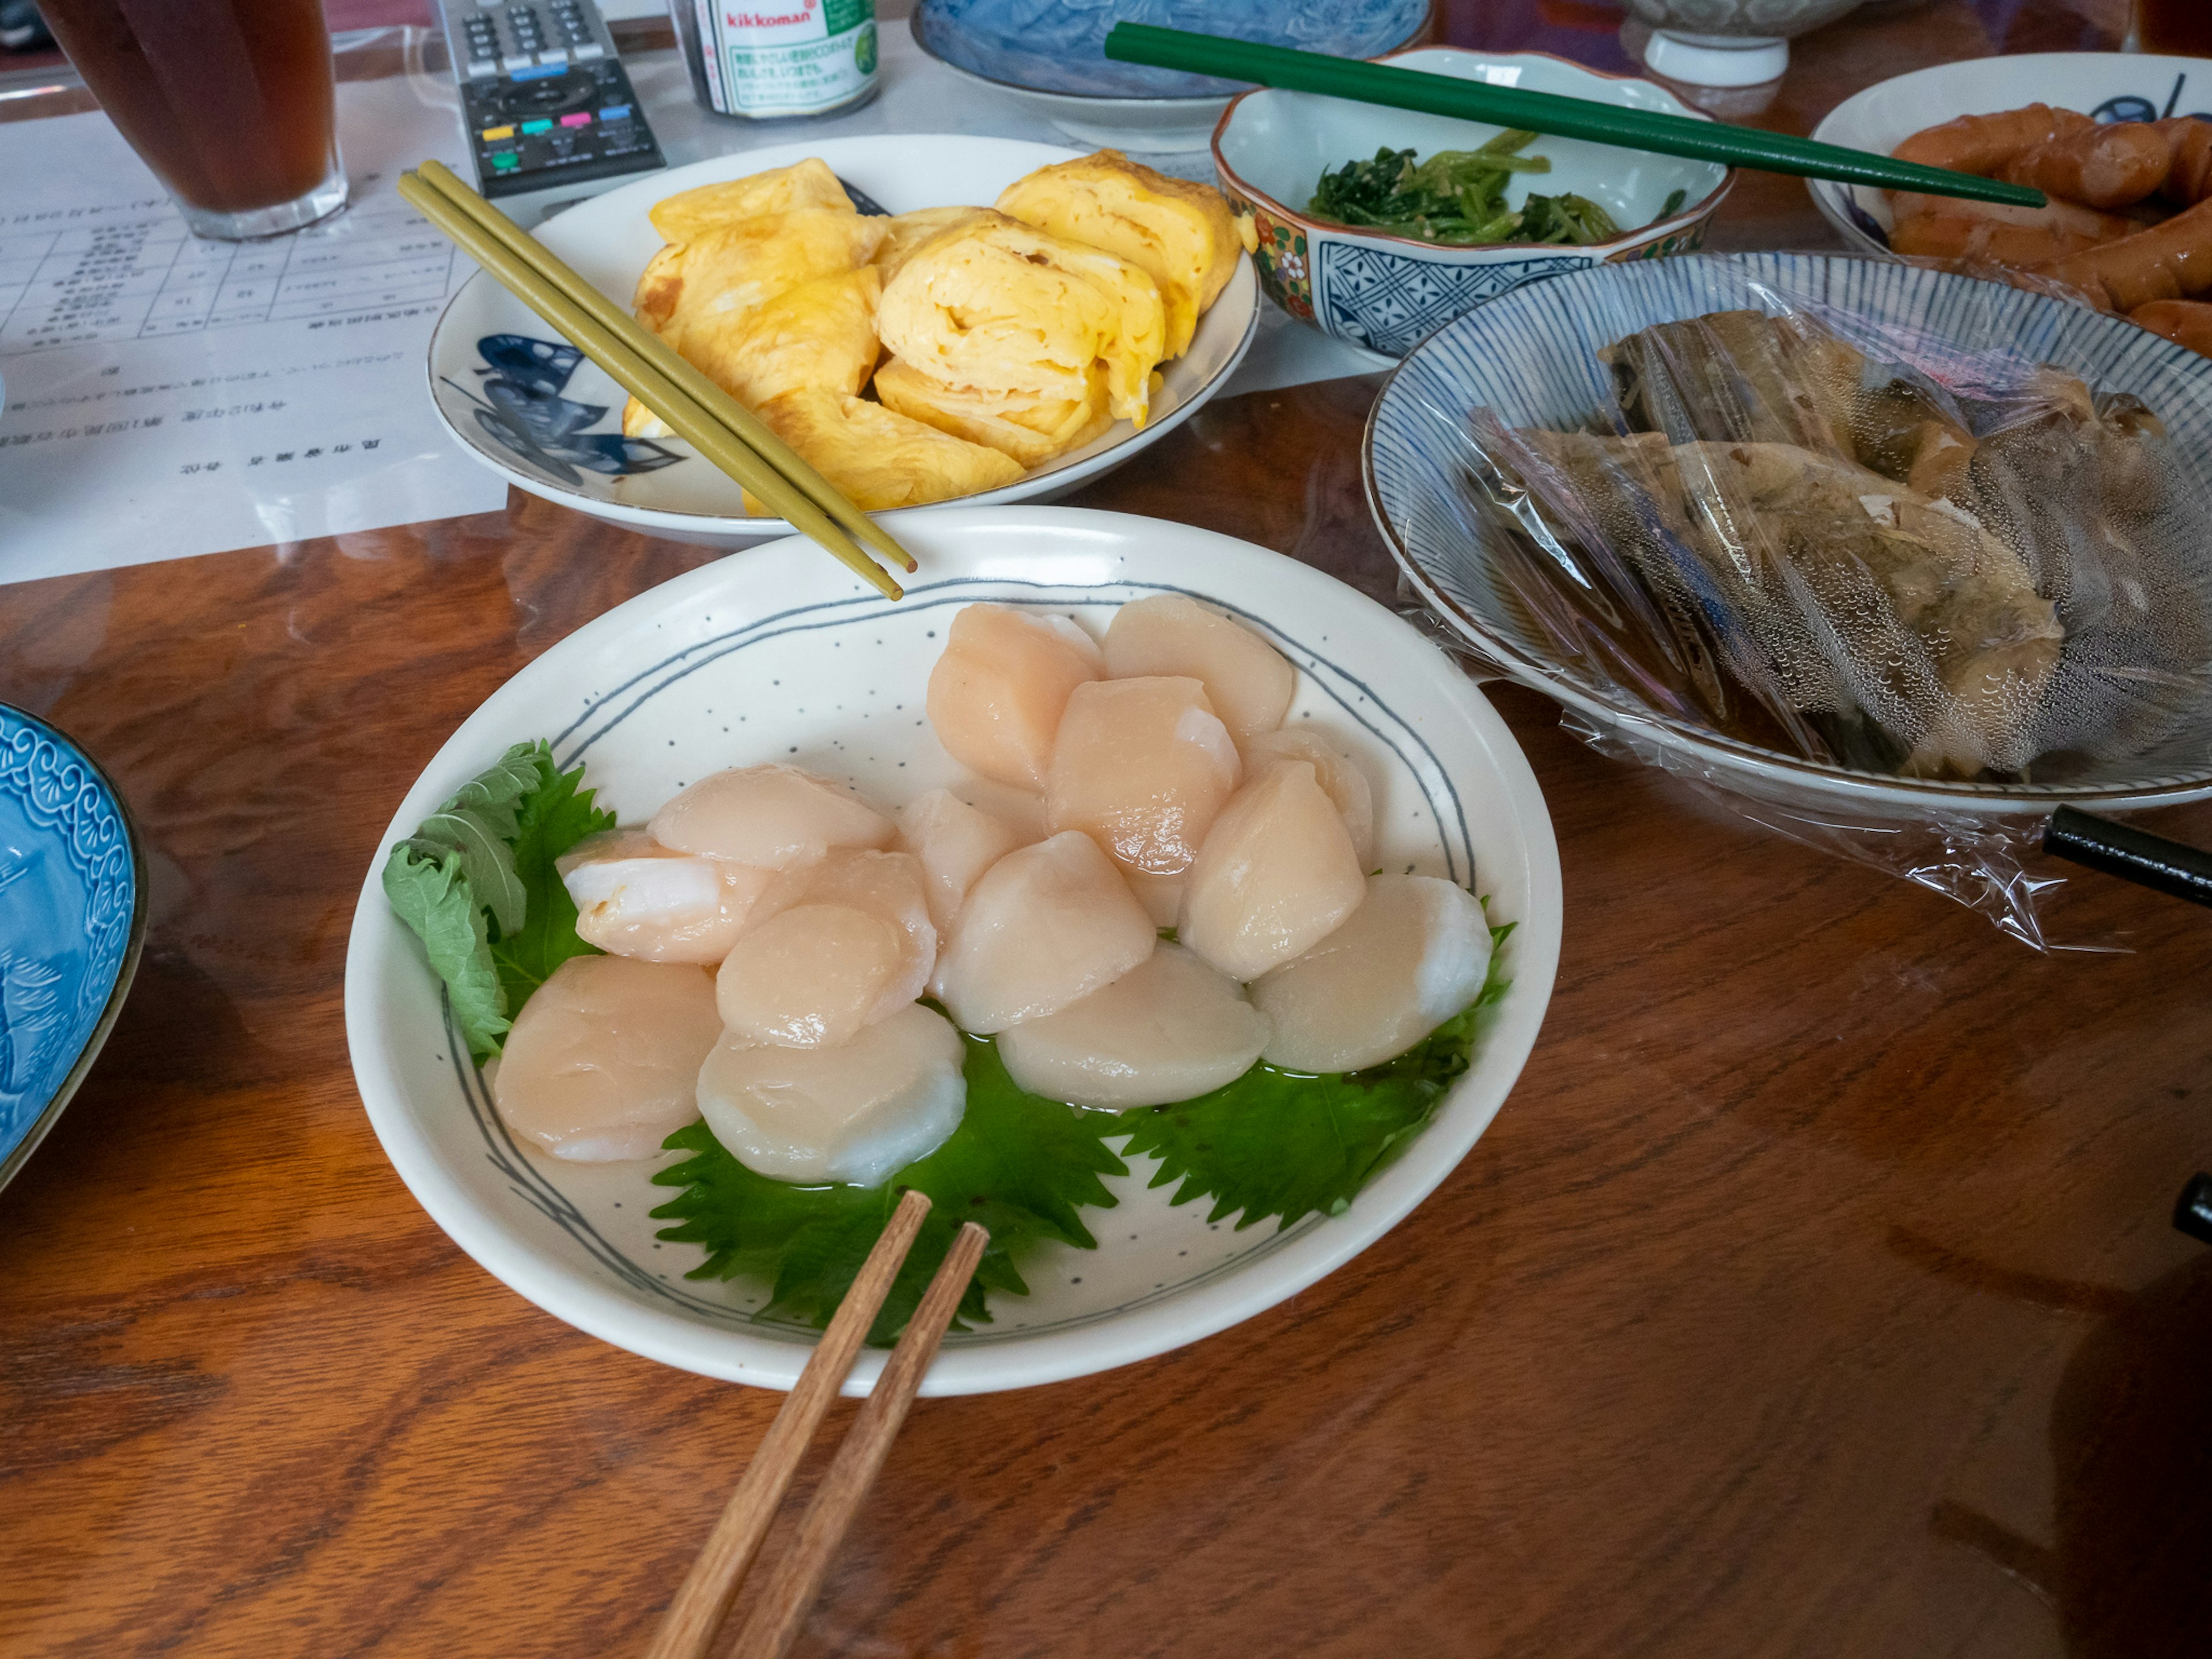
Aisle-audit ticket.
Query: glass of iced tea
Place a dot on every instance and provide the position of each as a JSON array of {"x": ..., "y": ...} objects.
[{"x": 231, "y": 102}]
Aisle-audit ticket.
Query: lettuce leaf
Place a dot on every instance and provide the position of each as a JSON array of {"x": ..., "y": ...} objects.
[{"x": 477, "y": 885}]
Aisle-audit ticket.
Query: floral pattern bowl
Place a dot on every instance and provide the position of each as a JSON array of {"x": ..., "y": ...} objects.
[{"x": 1388, "y": 293}]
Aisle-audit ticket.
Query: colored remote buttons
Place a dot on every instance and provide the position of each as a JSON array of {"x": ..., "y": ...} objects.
[
  {"x": 506, "y": 161},
  {"x": 541, "y": 125},
  {"x": 581, "y": 118},
  {"x": 492, "y": 134},
  {"x": 615, "y": 113}
]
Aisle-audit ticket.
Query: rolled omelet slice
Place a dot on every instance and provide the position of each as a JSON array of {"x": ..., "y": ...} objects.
[
  {"x": 1182, "y": 235},
  {"x": 906, "y": 232},
  {"x": 1029, "y": 427},
  {"x": 807, "y": 183},
  {"x": 1001, "y": 307},
  {"x": 877, "y": 456}
]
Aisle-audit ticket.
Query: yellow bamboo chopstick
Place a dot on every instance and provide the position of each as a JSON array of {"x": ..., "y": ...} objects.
[
  {"x": 692, "y": 1618},
  {"x": 755, "y": 433},
  {"x": 781, "y": 1606},
  {"x": 714, "y": 440}
]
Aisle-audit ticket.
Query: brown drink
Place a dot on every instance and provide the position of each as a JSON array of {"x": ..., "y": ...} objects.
[
  {"x": 2183, "y": 27},
  {"x": 229, "y": 101}
]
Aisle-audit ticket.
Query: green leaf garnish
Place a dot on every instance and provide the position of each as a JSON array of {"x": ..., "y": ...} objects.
[
  {"x": 477, "y": 883},
  {"x": 1285, "y": 1144},
  {"x": 1022, "y": 1165},
  {"x": 1457, "y": 197}
]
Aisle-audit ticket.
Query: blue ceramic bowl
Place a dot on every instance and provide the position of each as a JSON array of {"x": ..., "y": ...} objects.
[
  {"x": 1531, "y": 356},
  {"x": 72, "y": 916},
  {"x": 1058, "y": 46}
]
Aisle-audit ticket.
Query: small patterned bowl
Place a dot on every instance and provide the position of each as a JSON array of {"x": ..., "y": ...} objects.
[{"x": 1388, "y": 293}]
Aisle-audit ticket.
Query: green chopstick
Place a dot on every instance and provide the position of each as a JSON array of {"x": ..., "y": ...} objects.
[{"x": 1544, "y": 111}]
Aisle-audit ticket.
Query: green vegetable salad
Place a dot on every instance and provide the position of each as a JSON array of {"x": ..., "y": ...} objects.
[
  {"x": 1457, "y": 197},
  {"x": 477, "y": 883}
]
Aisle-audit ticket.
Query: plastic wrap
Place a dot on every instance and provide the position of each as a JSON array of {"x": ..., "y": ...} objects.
[{"x": 1861, "y": 547}]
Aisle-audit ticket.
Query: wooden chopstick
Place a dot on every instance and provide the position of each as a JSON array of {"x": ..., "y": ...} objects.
[
  {"x": 704, "y": 1596},
  {"x": 524, "y": 276},
  {"x": 1544, "y": 111},
  {"x": 755, "y": 433},
  {"x": 782, "y": 1607}
]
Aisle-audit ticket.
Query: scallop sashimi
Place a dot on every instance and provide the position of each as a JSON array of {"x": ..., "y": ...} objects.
[
  {"x": 1161, "y": 896},
  {"x": 1047, "y": 924},
  {"x": 634, "y": 898},
  {"x": 1144, "y": 766},
  {"x": 602, "y": 1060},
  {"x": 1170, "y": 1028},
  {"x": 1277, "y": 874},
  {"x": 856, "y": 1113},
  {"x": 768, "y": 816},
  {"x": 1248, "y": 682},
  {"x": 955, "y": 842},
  {"x": 1413, "y": 954},
  {"x": 1337, "y": 773},
  {"x": 997, "y": 691},
  {"x": 856, "y": 949}
]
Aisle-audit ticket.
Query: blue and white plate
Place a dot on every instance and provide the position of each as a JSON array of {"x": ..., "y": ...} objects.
[
  {"x": 1531, "y": 356},
  {"x": 72, "y": 913},
  {"x": 2112, "y": 86}
]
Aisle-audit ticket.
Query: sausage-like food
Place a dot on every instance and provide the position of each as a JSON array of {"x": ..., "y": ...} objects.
[
  {"x": 1982, "y": 143},
  {"x": 1970, "y": 236},
  {"x": 2169, "y": 261},
  {"x": 2189, "y": 159},
  {"x": 2112, "y": 166},
  {"x": 2186, "y": 322}
]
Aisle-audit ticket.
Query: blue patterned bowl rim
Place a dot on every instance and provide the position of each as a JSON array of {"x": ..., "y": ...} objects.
[
  {"x": 924, "y": 20},
  {"x": 97, "y": 825},
  {"x": 1540, "y": 339}
]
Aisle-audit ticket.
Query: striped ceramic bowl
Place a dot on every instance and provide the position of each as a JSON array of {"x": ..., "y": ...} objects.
[{"x": 1531, "y": 356}]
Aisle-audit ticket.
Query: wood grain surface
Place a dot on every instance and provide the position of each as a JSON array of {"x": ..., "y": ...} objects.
[{"x": 1814, "y": 1294}]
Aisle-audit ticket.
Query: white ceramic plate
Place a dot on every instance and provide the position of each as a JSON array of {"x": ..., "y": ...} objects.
[
  {"x": 2112, "y": 86},
  {"x": 547, "y": 421},
  {"x": 777, "y": 656}
]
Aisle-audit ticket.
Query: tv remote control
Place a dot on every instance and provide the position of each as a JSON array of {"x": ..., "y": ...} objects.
[{"x": 545, "y": 98}]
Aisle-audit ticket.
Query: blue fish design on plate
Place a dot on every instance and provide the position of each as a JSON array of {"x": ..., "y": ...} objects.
[
  {"x": 72, "y": 916},
  {"x": 521, "y": 408}
]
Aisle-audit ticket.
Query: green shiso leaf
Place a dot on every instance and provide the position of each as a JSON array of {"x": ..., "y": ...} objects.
[
  {"x": 1023, "y": 1166},
  {"x": 477, "y": 883},
  {"x": 552, "y": 819},
  {"x": 1286, "y": 1144}
]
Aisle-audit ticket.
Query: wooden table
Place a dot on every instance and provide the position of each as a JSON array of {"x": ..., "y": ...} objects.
[{"x": 1813, "y": 1295}]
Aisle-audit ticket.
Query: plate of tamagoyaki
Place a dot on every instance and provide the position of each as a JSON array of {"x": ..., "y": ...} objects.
[{"x": 1005, "y": 321}]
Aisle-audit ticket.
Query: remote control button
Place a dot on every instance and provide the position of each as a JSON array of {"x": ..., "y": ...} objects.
[
  {"x": 491, "y": 135},
  {"x": 506, "y": 162},
  {"x": 529, "y": 128},
  {"x": 557, "y": 59},
  {"x": 515, "y": 60},
  {"x": 615, "y": 113},
  {"x": 581, "y": 118},
  {"x": 588, "y": 51}
]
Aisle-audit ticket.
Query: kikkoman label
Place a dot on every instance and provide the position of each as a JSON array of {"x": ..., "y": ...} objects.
[{"x": 786, "y": 56}]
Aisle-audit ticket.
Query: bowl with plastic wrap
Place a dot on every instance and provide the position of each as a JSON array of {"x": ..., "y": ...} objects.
[{"x": 1872, "y": 542}]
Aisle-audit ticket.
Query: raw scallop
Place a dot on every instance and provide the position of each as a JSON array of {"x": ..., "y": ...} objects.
[
  {"x": 1337, "y": 773},
  {"x": 603, "y": 1060},
  {"x": 1248, "y": 681},
  {"x": 1169, "y": 1030},
  {"x": 956, "y": 844},
  {"x": 1276, "y": 875},
  {"x": 855, "y": 949},
  {"x": 996, "y": 693},
  {"x": 1161, "y": 896},
  {"x": 1145, "y": 766},
  {"x": 637, "y": 898},
  {"x": 1046, "y": 925},
  {"x": 770, "y": 815},
  {"x": 1411, "y": 956},
  {"x": 856, "y": 1113}
]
